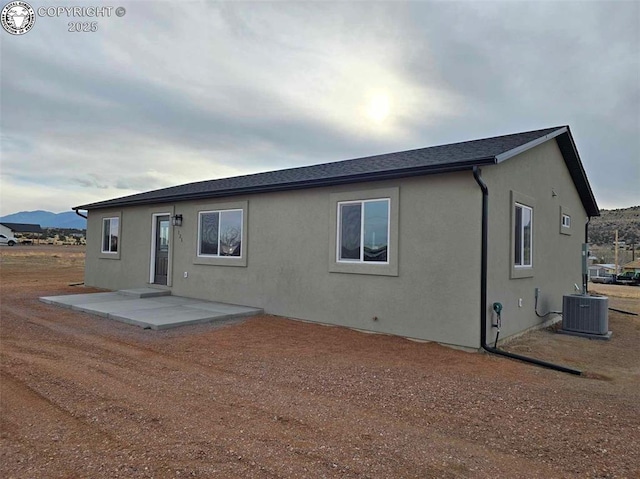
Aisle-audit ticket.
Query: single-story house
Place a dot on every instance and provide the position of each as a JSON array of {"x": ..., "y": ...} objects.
[
  {"x": 631, "y": 266},
  {"x": 417, "y": 243},
  {"x": 10, "y": 229},
  {"x": 602, "y": 269}
]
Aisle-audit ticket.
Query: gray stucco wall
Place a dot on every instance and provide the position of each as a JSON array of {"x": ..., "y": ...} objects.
[
  {"x": 435, "y": 294},
  {"x": 431, "y": 292},
  {"x": 541, "y": 175}
]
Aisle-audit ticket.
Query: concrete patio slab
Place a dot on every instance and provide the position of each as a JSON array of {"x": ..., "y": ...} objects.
[
  {"x": 165, "y": 318},
  {"x": 152, "y": 312},
  {"x": 177, "y": 300},
  {"x": 69, "y": 300},
  {"x": 116, "y": 306},
  {"x": 145, "y": 292},
  {"x": 220, "y": 308}
]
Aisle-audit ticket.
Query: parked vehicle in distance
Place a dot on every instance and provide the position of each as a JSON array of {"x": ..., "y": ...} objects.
[
  {"x": 606, "y": 279},
  {"x": 628, "y": 278},
  {"x": 8, "y": 240}
]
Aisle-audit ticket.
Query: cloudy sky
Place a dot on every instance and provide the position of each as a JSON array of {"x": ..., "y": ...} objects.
[{"x": 174, "y": 92}]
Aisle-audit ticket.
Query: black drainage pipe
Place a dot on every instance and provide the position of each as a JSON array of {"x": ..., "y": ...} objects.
[
  {"x": 483, "y": 290},
  {"x": 623, "y": 311},
  {"x": 79, "y": 214}
]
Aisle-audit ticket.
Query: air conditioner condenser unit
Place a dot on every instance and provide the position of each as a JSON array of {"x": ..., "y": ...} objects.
[{"x": 586, "y": 316}]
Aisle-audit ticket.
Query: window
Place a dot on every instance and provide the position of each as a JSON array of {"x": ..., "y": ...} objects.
[
  {"x": 565, "y": 221},
  {"x": 363, "y": 231},
  {"x": 363, "y": 237},
  {"x": 220, "y": 233},
  {"x": 110, "y": 234},
  {"x": 523, "y": 237}
]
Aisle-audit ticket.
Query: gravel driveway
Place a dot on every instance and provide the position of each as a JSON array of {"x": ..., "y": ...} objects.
[{"x": 270, "y": 397}]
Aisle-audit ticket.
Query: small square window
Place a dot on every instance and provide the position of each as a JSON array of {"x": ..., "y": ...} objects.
[{"x": 565, "y": 221}]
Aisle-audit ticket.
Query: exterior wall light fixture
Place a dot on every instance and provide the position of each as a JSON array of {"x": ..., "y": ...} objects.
[{"x": 176, "y": 220}]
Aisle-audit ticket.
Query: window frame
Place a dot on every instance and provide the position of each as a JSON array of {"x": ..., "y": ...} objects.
[
  {"x": 219, "y": 213},
  {"x": 521, "y": 270},
  {"x": 221, "y": 260},
  {"x": 111, "y": 254},
  {"x": 361, "y": 260},
  {"x": 388, "y": 268},
  {"x": 522, "y": 236},
  {"x": 565, "y": 229}
]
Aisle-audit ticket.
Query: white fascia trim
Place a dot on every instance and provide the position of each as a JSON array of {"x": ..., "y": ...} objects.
[{"x": 527, "y": 146}]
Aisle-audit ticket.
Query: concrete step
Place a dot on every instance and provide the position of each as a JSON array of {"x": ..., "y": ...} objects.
[{"x": 145, "y": 292}]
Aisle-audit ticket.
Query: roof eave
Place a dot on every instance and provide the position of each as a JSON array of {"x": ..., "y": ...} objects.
[
  {"x": 576, "y": 169},
  {"x": 297, "y": 185}
]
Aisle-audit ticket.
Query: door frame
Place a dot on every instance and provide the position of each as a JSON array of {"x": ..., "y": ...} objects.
[{"x": 152, "y": 258}]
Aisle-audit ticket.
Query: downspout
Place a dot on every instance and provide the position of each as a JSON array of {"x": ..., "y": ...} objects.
[
  {"x": 78, "y": 213},
  {"x": 483, "y": 289},
  {"x": 585, "y": 276}
]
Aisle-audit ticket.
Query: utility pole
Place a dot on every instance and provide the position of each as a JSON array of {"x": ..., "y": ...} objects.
[{"x": 616, "y": 253}]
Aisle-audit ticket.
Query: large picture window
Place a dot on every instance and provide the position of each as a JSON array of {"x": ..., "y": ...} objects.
[
  {"x": 523, "y": 236},
  {"x": 220, "y": 233},
  {"x": 110, "y": 234},
  {"x": 363, "y": 231}
]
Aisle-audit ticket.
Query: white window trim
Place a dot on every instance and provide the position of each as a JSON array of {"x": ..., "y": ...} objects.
[
  {"x": 338, "y": 231},
  {"x": 567, "y": 223},
  {"x": 219, "y": 256},
  {"x": 521, "y": 271},
  {"x": 102, "y": 250},
  {"x": 522, "y": 245}
]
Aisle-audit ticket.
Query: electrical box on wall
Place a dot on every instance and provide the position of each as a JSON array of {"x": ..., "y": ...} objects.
[{"x": 585, "y": 315}]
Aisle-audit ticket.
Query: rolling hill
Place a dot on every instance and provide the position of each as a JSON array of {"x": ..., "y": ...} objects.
[{"x": 626, "y": 220}]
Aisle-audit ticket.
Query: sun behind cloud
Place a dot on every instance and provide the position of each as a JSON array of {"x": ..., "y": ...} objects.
[{"x": 379, "y": 107}]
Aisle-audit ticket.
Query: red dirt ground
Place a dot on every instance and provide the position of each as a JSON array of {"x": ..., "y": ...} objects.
[{"x": 270, "y": 397}]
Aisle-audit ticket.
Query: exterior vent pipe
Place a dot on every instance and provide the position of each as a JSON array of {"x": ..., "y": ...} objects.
[{"x": 483, "y": 289}]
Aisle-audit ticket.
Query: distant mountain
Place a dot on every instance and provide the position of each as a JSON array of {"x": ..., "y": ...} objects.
[{"x": 47, "y": 219}]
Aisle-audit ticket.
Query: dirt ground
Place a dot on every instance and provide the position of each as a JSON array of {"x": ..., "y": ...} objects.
[{"x": 84, "y": 397}]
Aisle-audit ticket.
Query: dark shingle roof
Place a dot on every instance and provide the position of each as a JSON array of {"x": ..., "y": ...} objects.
[
  {"x": 422, "y": 161},
  {"x": 22, "y": 227}
]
